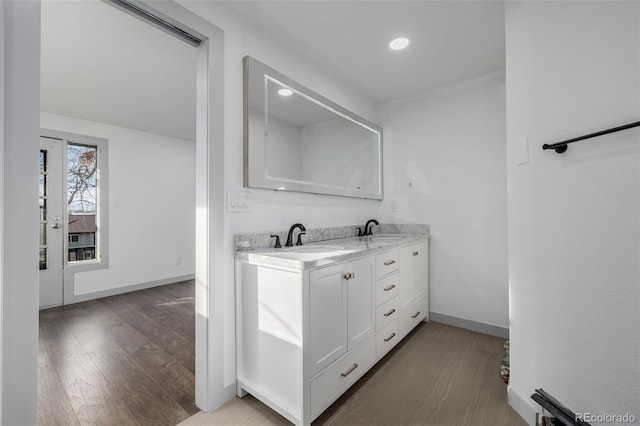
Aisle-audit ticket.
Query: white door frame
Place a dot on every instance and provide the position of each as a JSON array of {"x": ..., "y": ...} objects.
[
  {"x": 2, "y": 204},
  {"x": 19, "y": 327},
  {"x": 211, "y": 391},
  {"x": 19, "y": 271}
]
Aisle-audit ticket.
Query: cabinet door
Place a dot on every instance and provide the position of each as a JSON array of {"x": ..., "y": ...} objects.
[
  {"x": 361, "y": 317},
  {"x": 420, "y": 255},
  {"x": 413, "y": 281},
  {"x": 405, "y": 278},
  {"x": 327, "y": 316}
]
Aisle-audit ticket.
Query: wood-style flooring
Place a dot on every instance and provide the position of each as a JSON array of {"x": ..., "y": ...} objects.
[
  {"x": 439, "y": 375},
  {"x": 121, "y": 360},
  {"x": 129, "y": 360}
]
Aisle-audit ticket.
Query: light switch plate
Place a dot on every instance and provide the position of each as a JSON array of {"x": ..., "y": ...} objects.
[{"x": 238, "y": 201}]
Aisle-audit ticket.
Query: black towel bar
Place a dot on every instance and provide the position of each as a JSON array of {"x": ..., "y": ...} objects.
[
  {"x": 558, "y": 410},
  {"x": 561, "y": 147}
]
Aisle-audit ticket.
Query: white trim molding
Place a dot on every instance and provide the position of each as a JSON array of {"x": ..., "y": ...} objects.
[
  {"x": 522, "y": 406},
  {"x": 2, "y": 100},
  {"x": 129, "y": 288},
  {"x": 480, "y": 327},
  {"x": 20, "y": 147}
]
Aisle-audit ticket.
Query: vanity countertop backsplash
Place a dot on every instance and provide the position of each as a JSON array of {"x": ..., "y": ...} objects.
[{"x": 324, "y": 246}]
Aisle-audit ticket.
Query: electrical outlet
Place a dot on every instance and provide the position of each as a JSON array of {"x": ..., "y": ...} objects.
[{"x": 179, "y": 260}]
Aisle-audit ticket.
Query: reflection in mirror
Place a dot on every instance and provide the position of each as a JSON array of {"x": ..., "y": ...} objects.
[{"x": 296, "y": 140}]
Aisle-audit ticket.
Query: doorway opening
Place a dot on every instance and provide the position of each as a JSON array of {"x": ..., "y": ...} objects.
[{"x": 126, "y": 315}]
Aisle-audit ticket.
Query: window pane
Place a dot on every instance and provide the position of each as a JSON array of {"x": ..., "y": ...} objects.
[
  {"x": 43, "y": 258},
  {"x": 82, "y": 162},
  {"x": 43, "y": 210},
  {"x": 43, "y": 234},
  {"x": 43, "y": 185},
  {"x": 43, "y": 161}
]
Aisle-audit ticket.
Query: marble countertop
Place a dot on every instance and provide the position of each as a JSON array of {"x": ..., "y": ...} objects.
[{"x": 322, "y": 253}]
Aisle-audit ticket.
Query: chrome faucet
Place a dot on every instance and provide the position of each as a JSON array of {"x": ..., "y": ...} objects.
[
  {"x": 289, "y": 242},
  {"x": 367, "y": 229}
]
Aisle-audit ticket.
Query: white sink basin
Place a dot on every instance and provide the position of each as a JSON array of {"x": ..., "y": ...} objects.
[
  {"x": 385, "y": 238},
  {"x": 307, "y": 253},
  {"x": 316, "y": 249},
  {"x": 378, "y": 239}
]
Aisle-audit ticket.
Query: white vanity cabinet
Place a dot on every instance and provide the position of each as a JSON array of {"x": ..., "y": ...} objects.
[{"x": 304, "y": 336}]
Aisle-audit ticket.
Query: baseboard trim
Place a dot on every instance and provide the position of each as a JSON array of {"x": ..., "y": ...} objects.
[
  {"x": 129, "y": 288},
  {"x": 522, "y": 406},
  {"x": 480, "y": 327}
]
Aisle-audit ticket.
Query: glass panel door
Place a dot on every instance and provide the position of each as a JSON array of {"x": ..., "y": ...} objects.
[
  {"x": 51, "y": 224},
  {"x": 43, "y": 209}
]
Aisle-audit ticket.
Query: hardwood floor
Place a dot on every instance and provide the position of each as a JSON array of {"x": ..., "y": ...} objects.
[
  {"x": 439, "y": 375},
  {"x": 129, "y": 360},
  {"x": 122, "y": 360}
]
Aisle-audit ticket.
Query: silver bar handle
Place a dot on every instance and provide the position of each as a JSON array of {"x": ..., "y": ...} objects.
[
  {"x": 389, "y": 262},
  {"x": 349, "y": 371},
  {"x": 391, "y": 312},
  {"x": 414, "y": 316},
  {"x": 390, "y": 337},
  {"x": 391, "y": 287}
]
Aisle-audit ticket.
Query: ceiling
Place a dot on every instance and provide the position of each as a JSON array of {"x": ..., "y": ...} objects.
[
  {"x": 451, "y": 41},
  {"x": 100, "y": 64}
]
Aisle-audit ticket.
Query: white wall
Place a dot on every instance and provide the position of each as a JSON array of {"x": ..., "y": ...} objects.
[
  {"x": 445, "y": 165},
  {"x": 152, "y": 206},
  {"x": 18, "y": 265},
  {"x": 272, "y": 210},
  {"x": 574, "y": 219}
]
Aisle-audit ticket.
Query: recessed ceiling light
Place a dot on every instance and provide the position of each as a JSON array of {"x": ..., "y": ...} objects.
[
  {"x": 285, "y": 92},
  {"x": 399, "y": 43}
]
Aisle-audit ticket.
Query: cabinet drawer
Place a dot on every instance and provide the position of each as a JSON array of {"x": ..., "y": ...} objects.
[
  {"x": 412, "y": 316},
  {"x": 386, "y": 263},
  {"x": 387, "y": 339},
  {"x": 329, "y": 384},
  {"x": 387, "y": 312},
  {"x": 386, "y": 288}
]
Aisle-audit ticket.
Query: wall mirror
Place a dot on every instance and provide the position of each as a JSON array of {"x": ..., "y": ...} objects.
[{"x": 297, "y": 140}]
